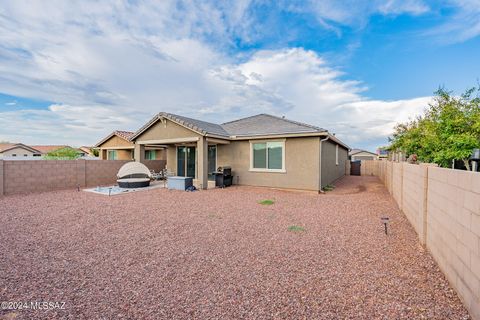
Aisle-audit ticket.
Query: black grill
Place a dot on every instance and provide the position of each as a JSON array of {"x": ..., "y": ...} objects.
[{"x": 223, "y": 177}]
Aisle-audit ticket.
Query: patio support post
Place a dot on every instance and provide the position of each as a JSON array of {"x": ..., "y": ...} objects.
[
  {"x": 202, "y": 146},
  {"x": 139, "y": 152},
  {"x": 1, "y": 178}
]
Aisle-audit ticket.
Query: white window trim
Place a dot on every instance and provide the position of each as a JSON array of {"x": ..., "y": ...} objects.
[
  {"x": 252, "y": 169},
  {"x": 336, "y": 154}
]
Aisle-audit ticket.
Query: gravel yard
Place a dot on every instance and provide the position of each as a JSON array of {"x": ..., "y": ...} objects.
[{"x": 219, "y": 254}]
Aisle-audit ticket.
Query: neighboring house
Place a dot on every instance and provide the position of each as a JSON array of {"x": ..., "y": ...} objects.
[
  {"x": 262, "y": 150},
  {"x": 382, "y": 153},
  {"x": 18, "y": 151},
  {"x": 358, "y": 154},
  {"x": 85, "y": 151},
  {"x": 117, "y": 146},
  {"x": 45, "y": 149}
]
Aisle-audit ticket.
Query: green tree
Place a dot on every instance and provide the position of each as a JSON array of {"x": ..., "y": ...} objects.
[
  {"x": 95, "y": 152},
  {"x": 66, "y": 153},
  {"x": 449, "y": 129}
]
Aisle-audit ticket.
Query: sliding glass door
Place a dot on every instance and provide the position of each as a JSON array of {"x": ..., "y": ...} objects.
[
  {"x": 212, "y": 162},
  {"x": 186, "y": 161}
]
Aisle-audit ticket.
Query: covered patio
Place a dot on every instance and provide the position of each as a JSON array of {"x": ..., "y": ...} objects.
[{"x": 195, "y": 157}]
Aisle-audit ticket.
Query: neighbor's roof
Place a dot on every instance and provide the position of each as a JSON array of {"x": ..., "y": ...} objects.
[
  {"x": 8, "y": 146},
  {"x": 355, "y": 151},
  {"x": 125, "y": 135},
  {"x": 265, "y": 124},
  {"x": 49, "y": 148}
]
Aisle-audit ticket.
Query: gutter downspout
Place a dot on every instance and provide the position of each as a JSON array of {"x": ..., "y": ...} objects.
[{"x": 320, "y": 165}]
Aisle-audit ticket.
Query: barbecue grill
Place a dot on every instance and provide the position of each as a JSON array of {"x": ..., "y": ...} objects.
[{"x": 223, "y": 177}]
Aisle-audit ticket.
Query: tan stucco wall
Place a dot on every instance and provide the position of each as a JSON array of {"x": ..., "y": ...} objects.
[
  {"x": 18, "y": 151},
  {"x": 115, "y": 142},
  {"x": 330, "y": 170},
  {"x": 125, "y": 154},
  {"x": 301, "y": 164},
  {"x": 170, "y": 130}
]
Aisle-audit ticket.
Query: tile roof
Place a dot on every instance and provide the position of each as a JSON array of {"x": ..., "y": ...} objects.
[
  {"x": 5, "y": 146},
  {"x": 197, "y": 125},
  {"x": 265, "y": 124},
  {"x": 48, "y": 148},
  {"x": 124, "y": 134},
  {"x": 261, "y": 124}
]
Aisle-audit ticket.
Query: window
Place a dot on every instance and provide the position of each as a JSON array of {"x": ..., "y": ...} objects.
[
  {"x": 36, "y": 155},
  {"x": 25, "y": 155},
  {"x": 150, "y": 155},
  {"x": 14, "y": 155},
  {"x": 268, "y": 156},
  {"x": 112, "y": 155},
  {"x": 336, "y": 154}
]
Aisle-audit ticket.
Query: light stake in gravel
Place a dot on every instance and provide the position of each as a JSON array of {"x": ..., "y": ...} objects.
[{"x": 385, "y": 222}]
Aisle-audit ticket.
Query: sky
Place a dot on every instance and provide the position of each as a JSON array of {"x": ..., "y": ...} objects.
[{"x": 73, "y": 71}]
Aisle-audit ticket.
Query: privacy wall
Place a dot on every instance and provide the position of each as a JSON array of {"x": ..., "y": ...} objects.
[
  {"x": 443, "y": 205},
  {"x": 27, "y": 176}
]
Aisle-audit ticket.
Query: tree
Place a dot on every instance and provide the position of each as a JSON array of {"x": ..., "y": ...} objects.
[
  {"x": 449, "y": 129},
  {"x": 95, "y": 151},
  {"x": 66, "y": 153}
]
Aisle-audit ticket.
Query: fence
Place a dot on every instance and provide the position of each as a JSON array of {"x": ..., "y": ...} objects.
[
  {"x": 443, "y": 206},
  {"x": 23, "y": 176}
]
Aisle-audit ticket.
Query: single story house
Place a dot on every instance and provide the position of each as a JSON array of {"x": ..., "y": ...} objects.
[
  {"x": 358, "y": 154},
  {"x": 85, "y": 151},
  {"x": 18, "y": 150},
  {"x": 45, "y": 149},
  {"x": 262, "y": 150},
  {"x": 117, "y": 146}
]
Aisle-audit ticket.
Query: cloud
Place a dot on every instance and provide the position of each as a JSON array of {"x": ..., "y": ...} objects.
[
  {"x": 357, "y": 13},
  {"x": 462, "y": 23},
  {"x": 113, "y": 65}
]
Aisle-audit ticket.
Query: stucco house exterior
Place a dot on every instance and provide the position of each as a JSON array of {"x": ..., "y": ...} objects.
[
  {"x": 262, "y": 150},
  {"x": 118, "y": 146},
  {"x": 18, "y": 150},
  {"x": 358, "y": 154}
]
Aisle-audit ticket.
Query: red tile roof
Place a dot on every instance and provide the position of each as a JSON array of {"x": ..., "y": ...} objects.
[
  {"x": 4, "y": 146},
  {"x": 48, "y": 148}
]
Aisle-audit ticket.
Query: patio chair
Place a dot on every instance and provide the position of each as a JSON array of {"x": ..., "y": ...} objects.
[
  {"x": 133, "y": 175},
  {"x": 156, "y": 175}
]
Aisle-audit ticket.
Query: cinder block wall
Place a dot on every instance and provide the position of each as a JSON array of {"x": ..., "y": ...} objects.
[
  {"x": 100, "y": 173},
  {"x": 443, "y": 206},
  {"x": 27, "y": 176},
  {"x": 414, "y": 191}
]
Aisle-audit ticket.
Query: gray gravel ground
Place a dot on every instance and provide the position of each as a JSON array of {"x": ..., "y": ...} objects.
[{"x": 218, "y": 254}]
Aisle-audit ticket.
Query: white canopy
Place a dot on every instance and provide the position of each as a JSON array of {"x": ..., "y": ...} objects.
[{"x": 133, "y": 168}]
